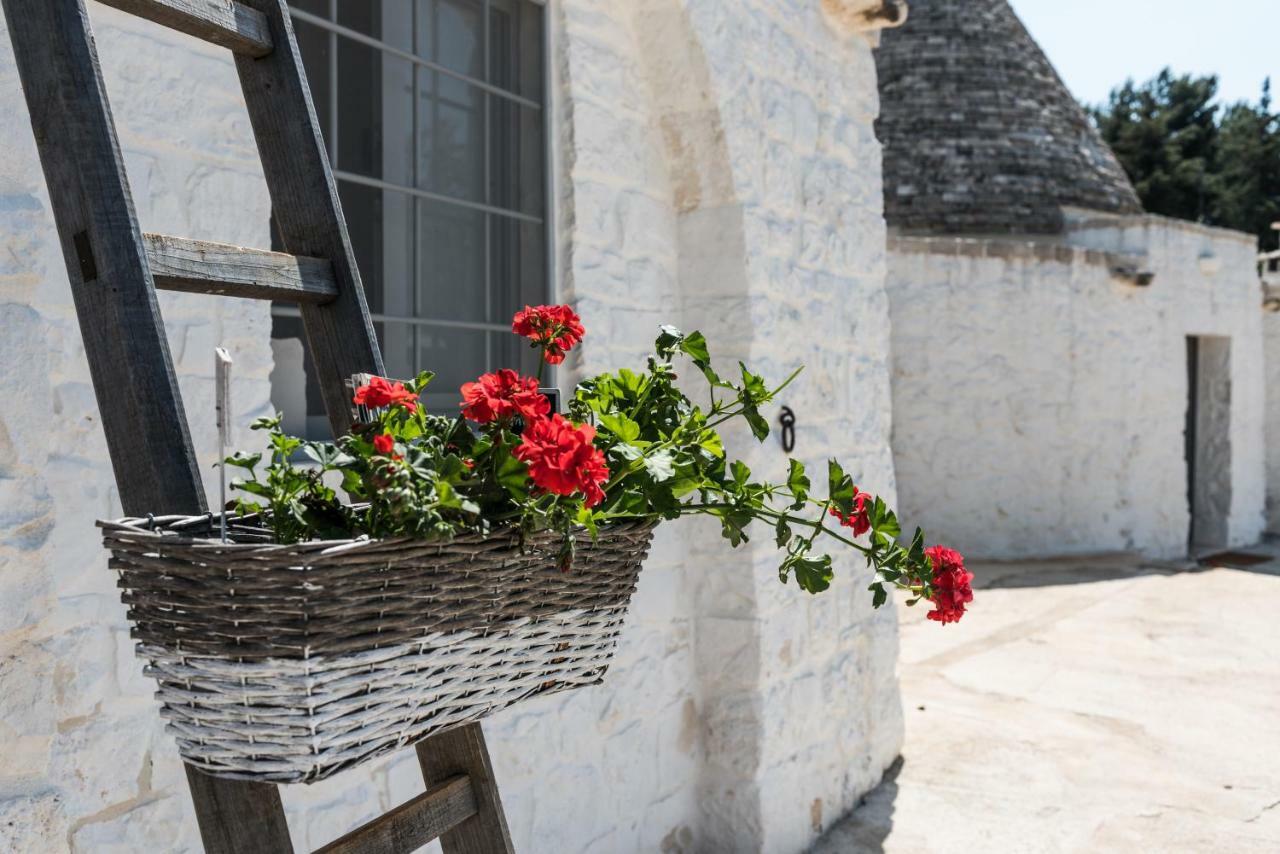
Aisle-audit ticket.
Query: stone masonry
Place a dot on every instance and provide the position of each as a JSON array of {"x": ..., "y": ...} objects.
[{"x": 716, "y": 167}]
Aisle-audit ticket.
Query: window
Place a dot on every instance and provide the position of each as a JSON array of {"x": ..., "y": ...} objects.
[{"x": 433, "y": 115}]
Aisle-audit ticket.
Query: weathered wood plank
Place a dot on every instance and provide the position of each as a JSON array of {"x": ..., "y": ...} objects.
[
  {"x": 307, "y": 212},
  {"x": 463, "y": 751},
  {"x": 413, "y": 824},
  {"x": 125, "y": 344},
  {"x": 236, "y": 817},
  {"x": 222, "y": 22},
  {"x": 194, "y": 266}
]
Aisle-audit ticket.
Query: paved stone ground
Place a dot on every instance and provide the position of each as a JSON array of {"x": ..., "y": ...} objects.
[{"x": 1103, "y": 704}]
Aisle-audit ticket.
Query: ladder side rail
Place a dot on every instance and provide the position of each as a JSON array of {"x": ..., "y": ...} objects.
[
  {"x": 124, "y": 339},
  {"x": 310, "y": 222},
  {"x": 307, "y": 211},
  {"x": 462, "y": 750}
]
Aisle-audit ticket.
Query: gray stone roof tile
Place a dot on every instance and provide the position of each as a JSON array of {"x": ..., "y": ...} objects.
[{"x": 981, "y": 136}]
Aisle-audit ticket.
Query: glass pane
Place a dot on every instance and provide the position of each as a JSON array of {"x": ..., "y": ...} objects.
[
  {"x": 375, "y": 103},
  {"x": 314, "y": 44},
  {"x": 450, "y": 33},
  {"x": 517, "y": 266},
  {"x": 508, "y": 351},
  {"x": 457, "y": 356},
  {"x": 380, "y": 223},
  {"x": 450, "y": 136},
  {"x": 451, "y": 262},
  {"x": 294, "y": 390},
  {"x": 397, "y": 343},
  {"x": 515, "y": 47},
  {"x": 516, "y": 155},
  {"x": 315, "y": 7},
  {"x": 389, "y": 21}
]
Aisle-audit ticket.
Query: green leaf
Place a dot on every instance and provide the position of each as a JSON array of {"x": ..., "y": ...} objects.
[
  {"x": 513, "y": 475},
  {"x": 840, "y": 487},
  {"x": 813, "y": 574},
  {"x": 878, "y": 594},
  {"x": 627, "y": 452},
  {"x": 252, "y": 487},
  {"x": 419, "y": 383},
  {"x": 446, "y": 496},
  {"x": 244, "y": 461},
  {"x": 798, "y": 483},
  {"x": 759, "y": 426},
  {"x": 711, "y": 442},
  {"x": 783, "y": 533},
  {"x": 669, "y": 339},
  {"x": 621, "y": 426},
  {"x": 694, "y": 346},
  {"x": 741, "y": 472},
  {"x": 661, "y": 466}
]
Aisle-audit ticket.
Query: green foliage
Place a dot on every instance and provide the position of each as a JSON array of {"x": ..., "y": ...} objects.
[
  {"x": 665, "y": 459},
  {"x": 1190, "y": 158}
]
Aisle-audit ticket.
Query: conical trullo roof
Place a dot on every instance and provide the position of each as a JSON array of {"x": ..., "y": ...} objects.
[{"x": 980, "y": 134}]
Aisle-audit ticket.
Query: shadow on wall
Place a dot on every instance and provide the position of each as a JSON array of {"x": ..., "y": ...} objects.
[{"x": 865, "y": 830}]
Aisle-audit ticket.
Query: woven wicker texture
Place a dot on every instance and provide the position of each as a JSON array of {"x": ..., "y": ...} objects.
[{"x": 289, "y": 663}]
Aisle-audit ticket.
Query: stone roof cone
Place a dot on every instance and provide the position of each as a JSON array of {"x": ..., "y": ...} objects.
[{"x": 980, "y": 134}]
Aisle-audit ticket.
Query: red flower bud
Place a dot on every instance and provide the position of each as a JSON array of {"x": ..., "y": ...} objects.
[
  {"x": 384, "y": 444},
  {"x": 952, "y": 588}
]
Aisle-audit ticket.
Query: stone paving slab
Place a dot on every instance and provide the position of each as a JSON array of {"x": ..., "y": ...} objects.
[{"x": 1092, "y": 704}]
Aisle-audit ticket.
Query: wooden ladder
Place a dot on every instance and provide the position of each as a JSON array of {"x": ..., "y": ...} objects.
[{"x": 114, "y": 270}]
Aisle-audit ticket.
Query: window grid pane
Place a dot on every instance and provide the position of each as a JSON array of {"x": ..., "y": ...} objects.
[{"x": 433, "y": 119}]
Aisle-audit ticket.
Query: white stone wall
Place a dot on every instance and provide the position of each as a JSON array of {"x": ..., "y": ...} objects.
[
  {"x": 86, "y": 765},
  {"x": 1040, "y": 404},
  {"x": 716, "y": 168},
  {"x": 1271, "y": 353}
]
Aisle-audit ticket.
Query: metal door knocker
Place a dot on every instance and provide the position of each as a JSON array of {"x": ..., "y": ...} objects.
[{"x": 787, "y": 419}]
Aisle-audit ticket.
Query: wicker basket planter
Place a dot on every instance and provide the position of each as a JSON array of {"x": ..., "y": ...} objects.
[{"x": 289, "y": 663}]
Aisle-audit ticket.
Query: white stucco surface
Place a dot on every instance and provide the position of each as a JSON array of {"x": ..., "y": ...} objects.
[
  {"x": 1040, "y": 403},
  {"x": 716, "y": 168},
  {"x": 1271, "y": 357}
]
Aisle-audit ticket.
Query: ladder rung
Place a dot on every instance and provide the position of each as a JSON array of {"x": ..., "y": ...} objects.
[
  {"x": 222, "y": 22},
  {"x": 194, "y": 266},
  {"x": 413, "y": 824}
]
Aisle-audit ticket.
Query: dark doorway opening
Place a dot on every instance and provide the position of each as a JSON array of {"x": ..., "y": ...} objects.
[{"x": 1208, "y": 441}]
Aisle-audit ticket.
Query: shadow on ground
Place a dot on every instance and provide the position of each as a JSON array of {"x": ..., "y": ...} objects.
[{"x": 865, "y": 831}]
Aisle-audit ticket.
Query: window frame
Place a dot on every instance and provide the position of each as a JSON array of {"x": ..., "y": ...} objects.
[{"x": 545, "y": 218}]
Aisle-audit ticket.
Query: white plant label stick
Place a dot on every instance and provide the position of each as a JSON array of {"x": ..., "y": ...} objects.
[{"x": 222, "y": 379}]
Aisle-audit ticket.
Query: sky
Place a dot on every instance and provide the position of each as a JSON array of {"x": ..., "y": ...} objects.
[{"x": 1096, "y": 44}]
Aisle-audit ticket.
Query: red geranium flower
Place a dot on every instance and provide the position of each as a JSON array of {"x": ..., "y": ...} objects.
[
  {"x": 562, "y": 460},
  {"x": 952, "y": 588},
  {"x": 860, "y": 519},
  {"x": 556, "y": 328},
  {"x": 384, "y": 443},
  {"x": 380, "y": 392},
  {"x": 501, "y": 395}
]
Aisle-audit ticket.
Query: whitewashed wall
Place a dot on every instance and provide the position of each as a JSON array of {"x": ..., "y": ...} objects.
[
  {"x": 716, "y": 168},
  {"x": 1271, "y": 354},
  {"x": 86, "y": 766},
  {"x": 1039, "y": 404}
]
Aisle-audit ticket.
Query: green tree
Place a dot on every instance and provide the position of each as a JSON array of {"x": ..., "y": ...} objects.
[
  {"x": 1248, "y": 175},
  {"x": 1165, "y": 134},
  {"x": 1189, "y": 158}
]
